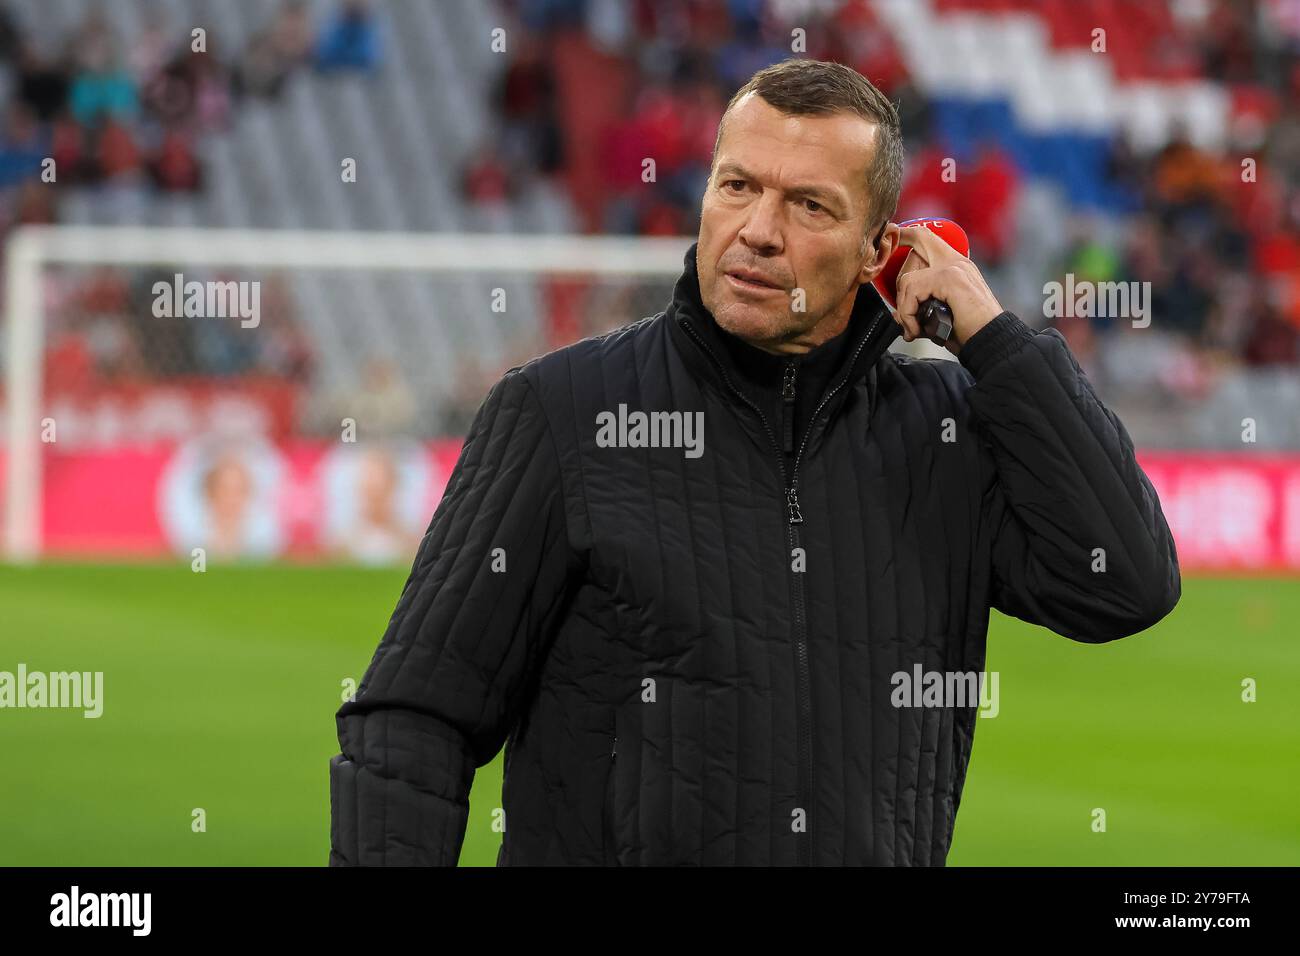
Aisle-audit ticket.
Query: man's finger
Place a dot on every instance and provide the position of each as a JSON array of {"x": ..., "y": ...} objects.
[
  {"x": 911, "y": 331},
  {"x": 934, "y": 249},
  {"x": 908, "y": 330},
  {"x": 914, "y": 260},
  {"x": 913, "y": 289}
]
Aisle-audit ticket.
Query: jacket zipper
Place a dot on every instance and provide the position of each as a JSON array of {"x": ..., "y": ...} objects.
[
  {"x": 807, "y": 779},
  {"x": 787, "y": 406}
]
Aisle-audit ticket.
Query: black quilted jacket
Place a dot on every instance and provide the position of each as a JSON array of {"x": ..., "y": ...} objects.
[{"x": 691, "y": 659}]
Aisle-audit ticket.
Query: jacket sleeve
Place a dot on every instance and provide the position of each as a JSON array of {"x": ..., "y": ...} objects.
[
  {"x": 1079, "y": 543},
  {"x": 455, "y": 665}
]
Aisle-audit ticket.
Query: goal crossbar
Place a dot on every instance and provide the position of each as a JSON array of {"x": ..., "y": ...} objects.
[{"x": 31, "y": 249}]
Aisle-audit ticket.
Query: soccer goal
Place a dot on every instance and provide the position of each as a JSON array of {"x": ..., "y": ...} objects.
[{"x": 111, "y": 330}]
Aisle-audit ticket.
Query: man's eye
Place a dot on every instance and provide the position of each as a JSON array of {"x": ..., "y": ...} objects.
[
  {"x": 734, "y": 182},
  {"x": 812, "y": 205}
]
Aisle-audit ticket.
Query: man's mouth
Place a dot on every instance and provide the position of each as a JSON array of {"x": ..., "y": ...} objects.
[{"x": 749, "y": 281}]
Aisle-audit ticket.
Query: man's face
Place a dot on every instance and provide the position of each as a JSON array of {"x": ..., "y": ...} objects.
[{"x": 787, "y": 205}]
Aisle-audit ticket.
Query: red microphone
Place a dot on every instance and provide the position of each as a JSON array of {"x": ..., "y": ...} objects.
[{"x": 934, "y": 316}]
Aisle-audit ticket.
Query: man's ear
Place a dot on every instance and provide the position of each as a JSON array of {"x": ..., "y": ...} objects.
[{"x": 879, "y": 253}]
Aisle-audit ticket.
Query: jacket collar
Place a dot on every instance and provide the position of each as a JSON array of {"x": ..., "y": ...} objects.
[{"x": 702, "y": 342}]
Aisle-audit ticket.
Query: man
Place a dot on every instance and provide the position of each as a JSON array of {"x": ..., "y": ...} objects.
[{"x": 682, "y": 565}]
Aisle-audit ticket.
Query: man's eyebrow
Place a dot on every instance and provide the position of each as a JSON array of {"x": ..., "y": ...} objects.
[
  {"x": 734, "y": 169},
  {"x": 814, "y": 190}
]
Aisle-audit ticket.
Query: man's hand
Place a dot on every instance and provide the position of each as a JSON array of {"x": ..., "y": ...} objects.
[{"x": 934, "y": 269}]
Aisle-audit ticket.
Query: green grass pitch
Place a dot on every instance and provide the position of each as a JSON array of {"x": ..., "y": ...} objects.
[{"x": 220, "y": 690}]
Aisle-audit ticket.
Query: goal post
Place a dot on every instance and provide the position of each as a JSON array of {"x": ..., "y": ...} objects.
[{"x": 33, "y": 249}]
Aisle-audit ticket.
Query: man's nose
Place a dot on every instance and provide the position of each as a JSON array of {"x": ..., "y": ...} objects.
[{"x": 762, "y": 229}]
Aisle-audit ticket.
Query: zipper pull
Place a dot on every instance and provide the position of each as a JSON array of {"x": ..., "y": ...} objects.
[
  {"x": 787, "y": 386},
  {"x": 792, "y": 499},
  {"x": 614, "y": 753}
]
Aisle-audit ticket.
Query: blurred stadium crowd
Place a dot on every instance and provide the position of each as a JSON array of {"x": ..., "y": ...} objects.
[
  {"x": 1220, "y": 250},
  {"x": 107, "y": 107},
  {"x": 1171, "y": 156}
]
